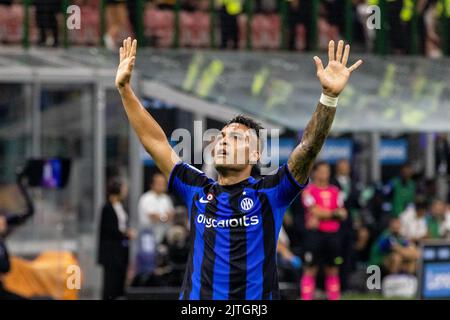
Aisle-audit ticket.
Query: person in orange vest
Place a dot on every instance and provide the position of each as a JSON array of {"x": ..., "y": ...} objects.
[{"x": 229, "y": 12}]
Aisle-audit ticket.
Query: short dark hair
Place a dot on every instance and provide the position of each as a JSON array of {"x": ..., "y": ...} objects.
[
  {"x": 407, "y": 164},
  {"x": 155, "y": 174},
  {"x": 248, "y": 122},
  {"x": 393, "y": 218},
  {"x": 319, "y": 163},
  {"x": 114, "y": 187},
  {"x": 340, "y": 160},
  {"x": 421, "y": 202}
]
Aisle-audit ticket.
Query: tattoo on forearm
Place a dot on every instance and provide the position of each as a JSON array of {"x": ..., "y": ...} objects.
[{"x": 304, "y": 155}]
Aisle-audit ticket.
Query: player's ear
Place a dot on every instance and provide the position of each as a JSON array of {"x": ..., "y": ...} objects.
[
  {"x": 254, "y": 147},
  {"x": 254, "y": 157}
]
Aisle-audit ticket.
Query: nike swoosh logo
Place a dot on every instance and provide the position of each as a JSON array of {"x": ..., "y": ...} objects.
[{"x": 203, "y": 200}]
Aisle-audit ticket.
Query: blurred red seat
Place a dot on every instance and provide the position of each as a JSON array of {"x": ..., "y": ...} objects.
[
  {"x": 326, "y": 33},
  {"x": 13, "y": 23},
  {"x": 194, "y": 29},
  {"x": 3, "y": 17},
  {"x": 89, "y": 34},
  {"x": 159, "y": 25},
  {"x": 266, "y": 31},
  {"x": 242, "y": 26},
  {"x": 300, "y": 37},
  {"x": 186, "y": 23}
]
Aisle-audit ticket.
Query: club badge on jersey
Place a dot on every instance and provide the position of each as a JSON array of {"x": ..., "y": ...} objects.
[{"x": 246, "y": 204}]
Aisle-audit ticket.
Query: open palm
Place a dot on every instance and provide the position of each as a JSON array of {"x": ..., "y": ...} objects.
[
  {"x": 127, "y": 61},
  {"x": 335, "y": 76}
]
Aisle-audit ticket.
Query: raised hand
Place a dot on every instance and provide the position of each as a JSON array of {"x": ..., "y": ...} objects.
[
  {"x": 127, "y": 61},
  {"x": 335, "y": 76}
]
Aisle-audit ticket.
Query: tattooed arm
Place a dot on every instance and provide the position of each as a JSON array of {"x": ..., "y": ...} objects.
[
  {"x": 333, "y": 79},
  {"x": 302, "y": 158}
]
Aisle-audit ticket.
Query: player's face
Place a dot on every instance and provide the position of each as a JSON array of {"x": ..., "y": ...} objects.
[
  {"x": 235, "y": 148},
  {"x": 322, "y": 174}
]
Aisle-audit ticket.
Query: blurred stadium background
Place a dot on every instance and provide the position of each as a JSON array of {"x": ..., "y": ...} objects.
[{"x": 57, "y": 99}]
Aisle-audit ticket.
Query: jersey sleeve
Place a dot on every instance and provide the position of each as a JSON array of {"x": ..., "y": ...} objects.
[
  {"x": 283, "y": 186},
  {"x": 185, "y": 180}
]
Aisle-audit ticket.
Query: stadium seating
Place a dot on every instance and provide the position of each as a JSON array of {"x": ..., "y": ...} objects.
[
  {"x": 300, "y": 38},
  {"x": 194, "y": 29},
  {"x": 158, "y": 24},
  {"x": 89, "y": 34},
  {"x": 265, "y": 31},
  {"x": 11, "y": 24}
]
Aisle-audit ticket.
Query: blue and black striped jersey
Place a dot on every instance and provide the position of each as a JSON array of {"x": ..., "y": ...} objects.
[{"x": 234, "y": 233}]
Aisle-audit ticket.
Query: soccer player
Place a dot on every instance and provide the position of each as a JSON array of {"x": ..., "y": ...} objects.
[
  {"x": 235, "y": 220},
  {"x": 324, "y": 211}
]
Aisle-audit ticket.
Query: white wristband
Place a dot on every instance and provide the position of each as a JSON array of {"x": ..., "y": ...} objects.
[{"x": 328, "y": 101}]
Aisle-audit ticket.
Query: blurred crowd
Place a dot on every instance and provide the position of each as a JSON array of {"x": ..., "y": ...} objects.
[
  {"x": 404, "y": 31},
  {"x": 331, "y": 233}
]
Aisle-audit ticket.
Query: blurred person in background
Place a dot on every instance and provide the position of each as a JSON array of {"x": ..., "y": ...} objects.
[
  {"x": 166, "y": 265},
  {"x": 115, "y": 235},
  {"x": 348, "y": 186},
  {"x": 229, "y": 13},
  {"x": 399, "y": 15},
  {"x": 394, "y": 253},
  {"x": 332, "y": 11},
  {"x": 438, "y": 221},
  {"x": 132, "y": 13},
  {"x": 298, "y": 14},
  {"x": 324, "y": 213},
  {"x": 116, "y": 17},
  {"x": 432, "y": 30},
  {"x": 177, "y": 243},
  {"x": 442, "y": 165},
  {"x": 288, "y": 263},
  {"x": 155, "y": 208},
  {"x": 402, "y": 190},
  {"x": 343, "y": 180},
  {"x": 353, "y": 232},
  {"x": 413, "y": 221},
  {"x": 398, "y": 26},
  {"x": 443, "y": 16},
  {"x": 420, "y": 11},
  {"x": 9, "y": 221},
  {"x": 46, "y": 19}
]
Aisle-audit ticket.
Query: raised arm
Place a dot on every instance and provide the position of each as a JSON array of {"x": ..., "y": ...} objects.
[
  {"x": 333, "y": 80},
  {"x": 147, "y": 129}
]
